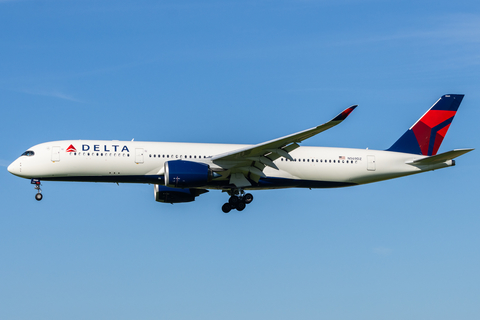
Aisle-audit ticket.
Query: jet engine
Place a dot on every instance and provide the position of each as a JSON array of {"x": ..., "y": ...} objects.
[
  {"x": 175, "y": 195},
  {"x": 187, "y": 174}
]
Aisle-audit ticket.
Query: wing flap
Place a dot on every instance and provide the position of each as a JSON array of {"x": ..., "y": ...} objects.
[{"x": 239, "y": 180}]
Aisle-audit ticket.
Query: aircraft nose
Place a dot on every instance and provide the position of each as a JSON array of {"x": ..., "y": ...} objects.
[{"x": 14, "y": 168}]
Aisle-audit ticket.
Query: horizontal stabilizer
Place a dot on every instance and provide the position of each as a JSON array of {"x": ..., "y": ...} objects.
[{"x": 439, "y": 158}]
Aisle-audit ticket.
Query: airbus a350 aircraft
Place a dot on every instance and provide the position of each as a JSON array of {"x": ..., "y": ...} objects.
[{"x": 182, "y": 171}]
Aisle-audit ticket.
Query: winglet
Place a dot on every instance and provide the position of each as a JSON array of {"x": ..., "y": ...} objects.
[{"x": 345, "y": 113}]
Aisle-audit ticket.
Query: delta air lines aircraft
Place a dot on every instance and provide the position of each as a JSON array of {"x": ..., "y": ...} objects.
[{"x": 180, "y": 172}]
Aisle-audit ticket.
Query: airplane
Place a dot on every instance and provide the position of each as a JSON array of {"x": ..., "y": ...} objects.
[{"x": 180, "y": 172}]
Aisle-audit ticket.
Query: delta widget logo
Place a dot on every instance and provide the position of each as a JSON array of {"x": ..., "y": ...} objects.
[{"x": 71, "y": 148}]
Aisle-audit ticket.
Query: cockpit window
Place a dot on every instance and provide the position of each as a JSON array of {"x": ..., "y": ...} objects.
[{"x": 28, "y": 153}]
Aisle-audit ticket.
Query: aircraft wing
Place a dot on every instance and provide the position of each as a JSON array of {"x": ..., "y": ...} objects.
[{"x": 251, "y": 161}]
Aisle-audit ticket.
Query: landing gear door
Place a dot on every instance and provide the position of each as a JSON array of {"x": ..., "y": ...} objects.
[
  {"x": 371, "y": 166},
  {"x": 139, "y": 155},
  {"x": 56, "y": 154}
]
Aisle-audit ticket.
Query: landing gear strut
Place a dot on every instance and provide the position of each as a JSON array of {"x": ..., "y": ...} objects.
[
  {"x": 37, "y": 184},
  {"x": 238, "y": 200}
]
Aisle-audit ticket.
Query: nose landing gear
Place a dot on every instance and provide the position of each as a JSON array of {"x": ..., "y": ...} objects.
[
  {"x": 238, "y": 200},
  {"x": 37, "y": 184}
]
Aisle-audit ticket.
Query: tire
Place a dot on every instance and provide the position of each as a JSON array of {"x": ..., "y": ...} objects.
[
  {"x": 226, "y": 207},
  {"x": 248, "y": 198},
  {"x": 233, "y": 200},
  {"x": 38, "y": 196},
  {"x": 240, "y": 206}
]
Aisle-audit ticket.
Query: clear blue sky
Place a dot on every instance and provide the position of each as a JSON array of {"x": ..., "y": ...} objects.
[{"x": 239, "y": 72}]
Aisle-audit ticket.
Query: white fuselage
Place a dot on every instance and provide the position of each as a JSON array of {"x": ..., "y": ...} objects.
[{"x": 143, "y": 162}]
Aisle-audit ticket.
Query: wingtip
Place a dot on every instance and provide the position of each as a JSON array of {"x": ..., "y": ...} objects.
[{"x": 345, "y": 113}]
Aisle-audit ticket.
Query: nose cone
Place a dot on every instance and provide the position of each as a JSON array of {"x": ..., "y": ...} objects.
[{"x": 14, "y": 168}]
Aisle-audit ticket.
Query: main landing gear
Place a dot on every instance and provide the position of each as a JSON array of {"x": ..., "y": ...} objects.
[
  {"x": 37, "y": 184},
  {"x": 238, "y": 200}
]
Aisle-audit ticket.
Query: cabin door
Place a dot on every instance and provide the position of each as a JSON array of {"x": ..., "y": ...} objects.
[
  {"x": 139, "y": 155},
  {"x": 371, "y": 166},
  {"x": 56, "y": 154}
]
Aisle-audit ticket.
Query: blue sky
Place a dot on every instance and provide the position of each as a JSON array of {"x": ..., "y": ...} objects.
[{"x": 238, "y": 72}]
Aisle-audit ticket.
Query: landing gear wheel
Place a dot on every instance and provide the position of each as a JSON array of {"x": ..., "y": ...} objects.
[
  {"x": 37, "y": 184},
  {"x": 248, "y": 198},
  {"x": 233, "y": 200},
  {"x": 240, "y": 206},
  {"x": 238, "y": 200},
  {"x": 226, "y": 207}
]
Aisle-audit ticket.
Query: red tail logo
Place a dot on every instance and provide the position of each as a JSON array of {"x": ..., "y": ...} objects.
[
  {"x": 431, "y": 130},
  {"x": 426, "y": 135},
  {"x": 71, "y": 148}
]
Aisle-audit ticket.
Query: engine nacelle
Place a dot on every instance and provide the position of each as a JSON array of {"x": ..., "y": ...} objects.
[
  {"x": 172, "y": 195},
  {"x": 186, "y": 174},
  {"x": 175, "y": 195}
]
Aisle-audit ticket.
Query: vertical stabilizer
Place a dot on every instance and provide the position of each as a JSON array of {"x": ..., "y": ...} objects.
[{"x": 426, "y": 135}]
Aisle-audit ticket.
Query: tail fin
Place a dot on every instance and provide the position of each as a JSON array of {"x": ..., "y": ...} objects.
[{"x": 426, "y": 135}]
